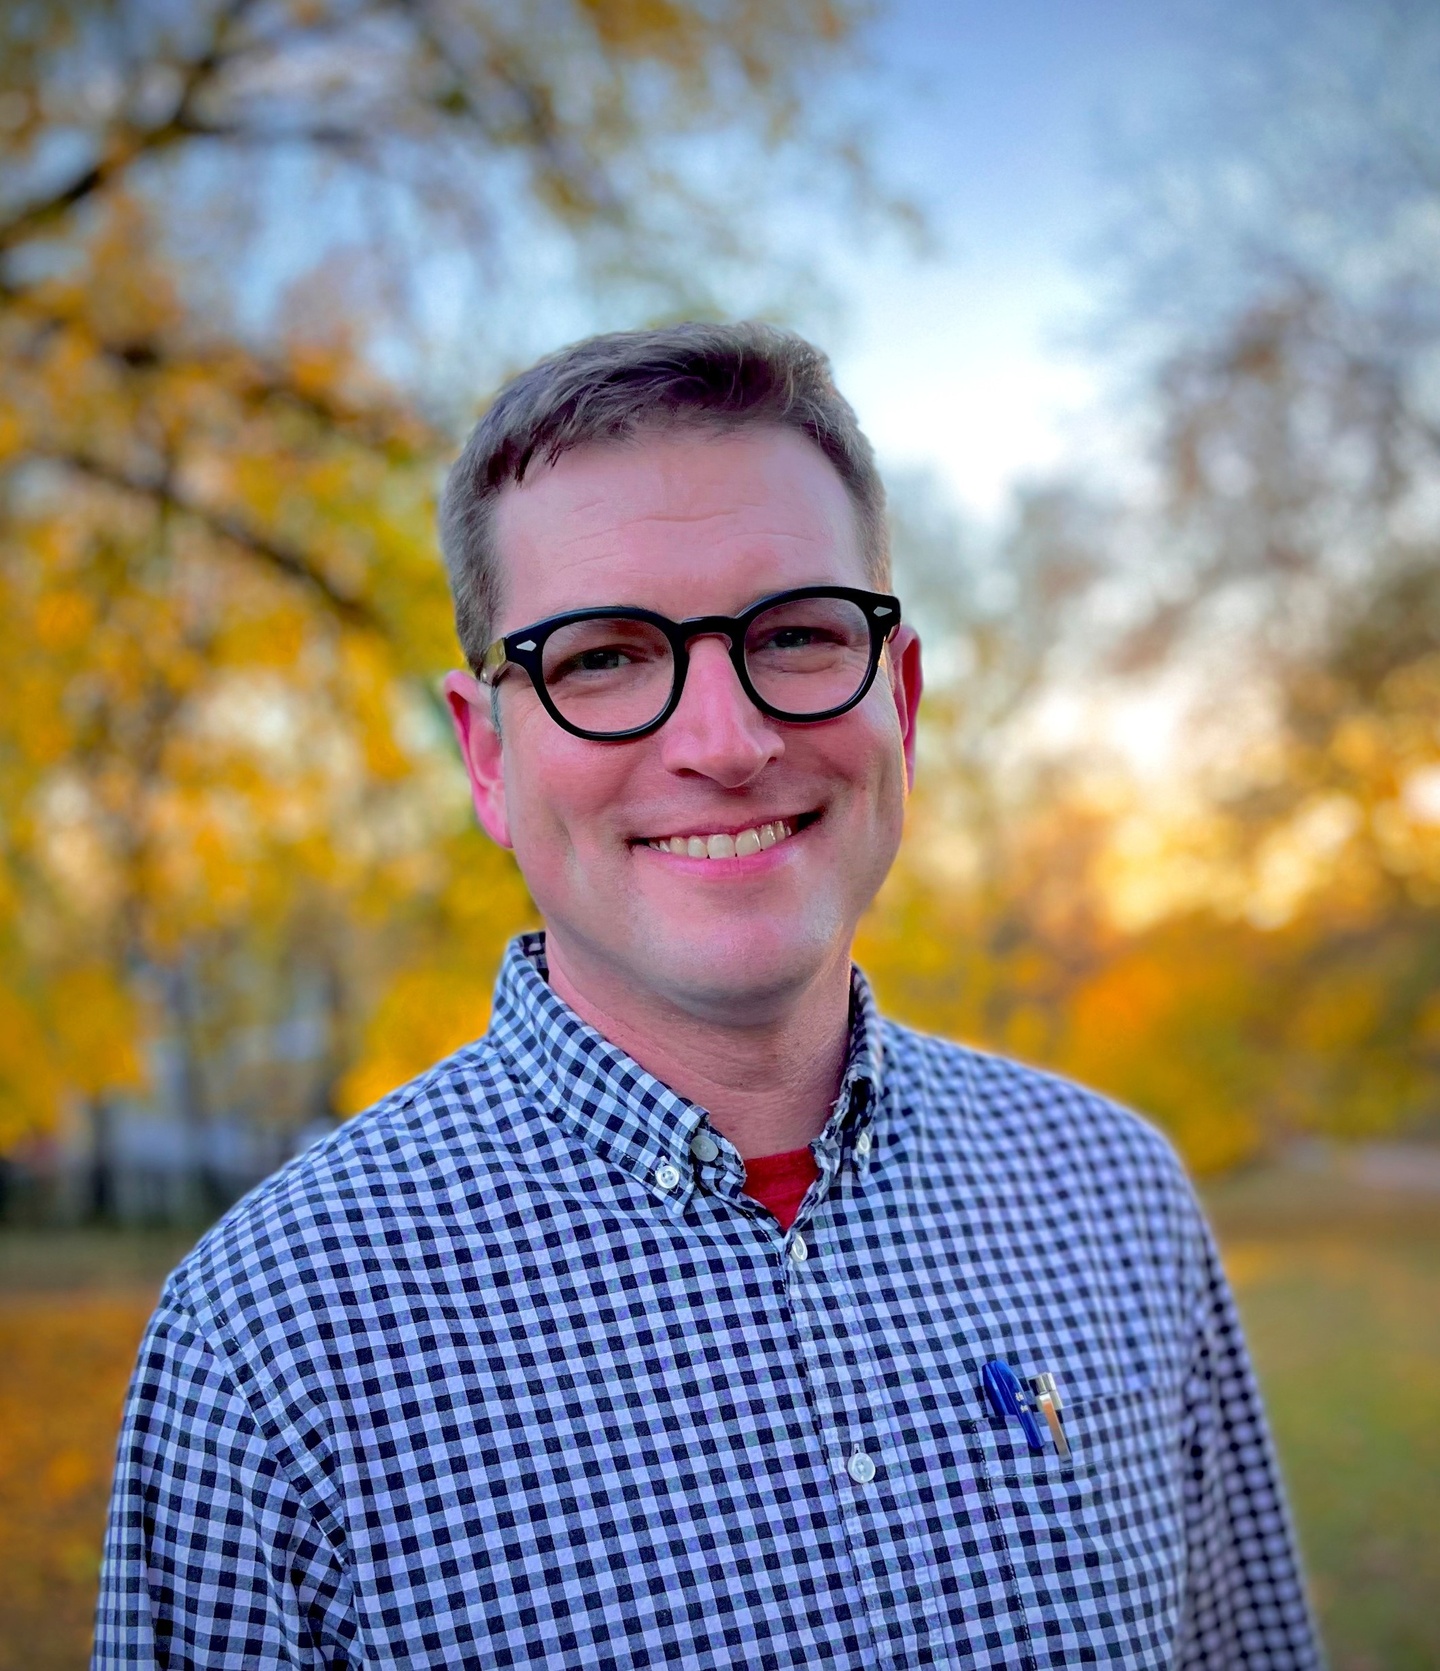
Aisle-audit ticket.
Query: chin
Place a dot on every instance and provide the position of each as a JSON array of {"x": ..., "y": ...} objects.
[{"x": 740, "y": 970}]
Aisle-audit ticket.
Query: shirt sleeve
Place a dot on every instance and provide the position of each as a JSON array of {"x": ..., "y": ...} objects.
[
  {"x": 211, "y": 1557},
  {"x": 1245, "y": 1600}
]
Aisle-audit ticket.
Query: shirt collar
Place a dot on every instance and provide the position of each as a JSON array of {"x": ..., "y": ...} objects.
[{"x": 627, "y": 1115}]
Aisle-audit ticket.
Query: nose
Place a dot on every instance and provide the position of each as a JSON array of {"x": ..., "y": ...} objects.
[{"x": 717, "y": 731}]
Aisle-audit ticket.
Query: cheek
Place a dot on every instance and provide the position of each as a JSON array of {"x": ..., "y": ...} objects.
[
  {"x": 563, "y": 794},
  {"x": 867, "y": 755}
]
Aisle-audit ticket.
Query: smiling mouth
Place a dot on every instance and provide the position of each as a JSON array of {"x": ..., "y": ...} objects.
[{"x": 741, "y": 844}]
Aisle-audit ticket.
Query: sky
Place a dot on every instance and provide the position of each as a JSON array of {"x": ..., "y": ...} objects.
[
  {"x": 972, "y": 363},
  {"x": 994, "y": 118}
]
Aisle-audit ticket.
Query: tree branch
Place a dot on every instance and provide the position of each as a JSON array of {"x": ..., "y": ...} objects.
[
  {"x": 401, "y": 436},
  {"x": 286, "y": 559},
  {"x": 130, "y": 143},
  {"x": 544, "y": 131}
]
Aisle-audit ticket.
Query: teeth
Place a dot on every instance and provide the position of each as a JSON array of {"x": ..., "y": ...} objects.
[{"x": 725, "y": 846}]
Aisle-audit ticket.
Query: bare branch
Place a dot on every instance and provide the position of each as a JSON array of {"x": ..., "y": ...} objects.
[
  {"x": 544, "y": 132},
  {"x": 324, "y": 135},
  {"x": 129, "y": 144}
]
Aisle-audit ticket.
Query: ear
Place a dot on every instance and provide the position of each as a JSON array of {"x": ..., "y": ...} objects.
[
  {"x": 902, "y": 656},
  {"x": 480, "y": 749}
]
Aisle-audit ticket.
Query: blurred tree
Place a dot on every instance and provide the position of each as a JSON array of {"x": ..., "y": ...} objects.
[
  {"x": 993, "y": 914},
  {"x": 1282, "y": 261},
  {"x": 1278, "y": 261},
  {"x": 227, "y": 233},
  {"x": 1246, "y": 944},
  {"x": 996, "y": 616}
]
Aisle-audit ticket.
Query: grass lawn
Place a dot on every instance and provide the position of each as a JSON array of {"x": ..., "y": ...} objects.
[
  {"x": 1341, "y": 1295},
  {"x": 72, "y": 1309},
  {"x": 1340, "y": 1286}
]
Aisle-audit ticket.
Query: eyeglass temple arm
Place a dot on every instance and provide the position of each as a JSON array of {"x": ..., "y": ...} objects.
[{"x": 492, "y": 663}]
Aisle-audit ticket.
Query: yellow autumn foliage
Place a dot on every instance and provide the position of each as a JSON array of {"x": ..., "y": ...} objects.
[
  {"x": 227, "y": 783},
  {"x": 223, "y": 763}
]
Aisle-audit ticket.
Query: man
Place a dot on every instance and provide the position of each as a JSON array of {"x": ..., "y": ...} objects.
[{"x": 695, "y": 1316}]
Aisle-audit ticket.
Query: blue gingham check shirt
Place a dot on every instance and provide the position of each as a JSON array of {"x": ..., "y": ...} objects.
[{"x": 510, "y": 1372}]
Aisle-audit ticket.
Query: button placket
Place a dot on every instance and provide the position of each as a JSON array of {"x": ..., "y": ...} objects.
[
  {"x": 823, "y": 1350},
  {"x": 864, "y": 1437},
  {"x": 837, "y": 1391}
]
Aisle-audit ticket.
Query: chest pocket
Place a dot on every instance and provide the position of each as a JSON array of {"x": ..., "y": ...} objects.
[
  {"x": 1116, "y": 1428},
  {"x": 1117, "y": 1499},
  {"x": 1103, "y": 1527}
]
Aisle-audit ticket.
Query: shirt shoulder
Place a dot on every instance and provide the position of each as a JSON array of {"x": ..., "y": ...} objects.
[
  {"x": 1048, "y": 1139},
  {"x": 431, "y": 1153},
  {"x": 1011, "y": 1101}
]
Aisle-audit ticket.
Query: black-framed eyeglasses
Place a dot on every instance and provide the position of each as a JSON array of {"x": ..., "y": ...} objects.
[{"x": 608, "y": 675}]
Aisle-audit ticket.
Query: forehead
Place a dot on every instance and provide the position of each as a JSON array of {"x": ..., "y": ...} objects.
[{"x": 685, "y": 522}]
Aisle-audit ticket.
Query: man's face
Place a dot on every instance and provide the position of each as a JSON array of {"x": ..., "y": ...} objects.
[{"x": 690, "y": 524}]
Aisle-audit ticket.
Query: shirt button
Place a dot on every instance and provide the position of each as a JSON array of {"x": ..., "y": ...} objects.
[
  {"x": 860, "y": 1468},
  {"x": 704, "y": 1147},
  {"x": 666, "y": 1175},
  {"x": 862, "y": 1144},
  {"x": 798, "y": 1250}
]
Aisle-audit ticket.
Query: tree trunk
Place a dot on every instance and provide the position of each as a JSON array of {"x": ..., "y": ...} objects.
[{"x": 102, "y": 1195}]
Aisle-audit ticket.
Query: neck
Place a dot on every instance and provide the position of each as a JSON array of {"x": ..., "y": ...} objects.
[{"x": 767, "y": 1086}]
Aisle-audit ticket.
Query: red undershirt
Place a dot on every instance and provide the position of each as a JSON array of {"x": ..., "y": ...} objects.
[{"x": 779, "y": 1182}]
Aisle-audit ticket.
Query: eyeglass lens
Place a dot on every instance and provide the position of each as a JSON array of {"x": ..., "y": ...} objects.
[{"x": 805, "y": 656}]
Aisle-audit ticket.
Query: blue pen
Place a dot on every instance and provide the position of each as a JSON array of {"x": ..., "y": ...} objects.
[{"x": 1007, "y": 1397}]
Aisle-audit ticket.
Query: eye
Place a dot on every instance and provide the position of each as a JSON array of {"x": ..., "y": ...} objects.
[
  {"x": 599, "y": 658},
  {"x": 600, "y": 661},
  {"x": 796, "y": 636},
  {"x": 618, "y": 656}
]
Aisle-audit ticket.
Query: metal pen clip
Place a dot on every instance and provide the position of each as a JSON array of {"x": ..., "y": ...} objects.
[{"x": 1047, "y": 1400}]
